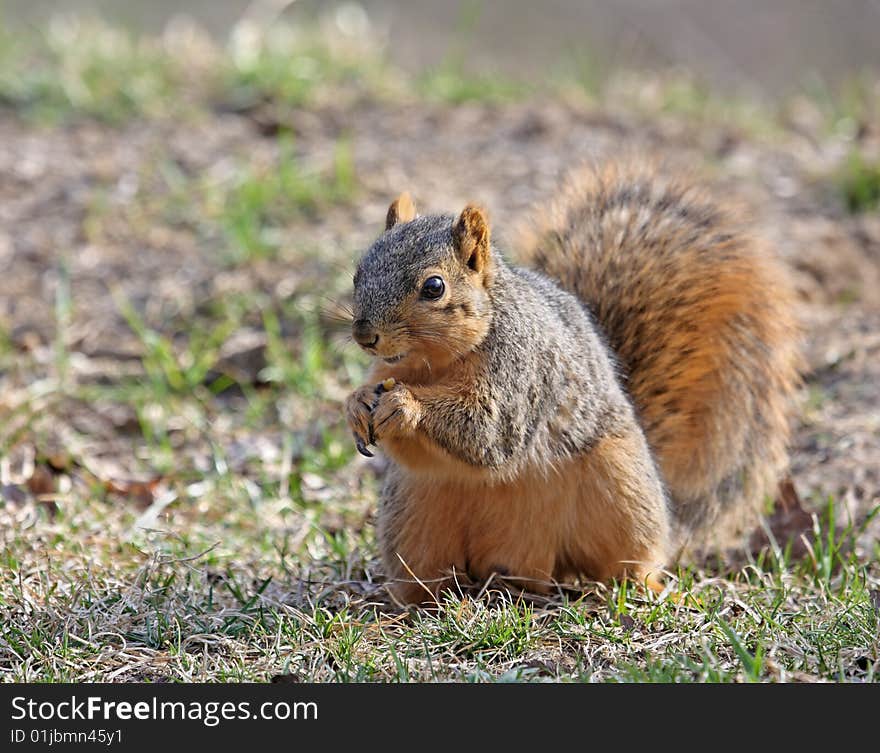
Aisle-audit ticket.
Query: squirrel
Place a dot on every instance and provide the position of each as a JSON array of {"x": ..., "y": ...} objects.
[{"x": 621, "y": 400}]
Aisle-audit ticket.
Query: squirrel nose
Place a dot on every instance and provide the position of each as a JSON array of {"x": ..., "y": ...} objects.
[{"x": 364, "y": 334}]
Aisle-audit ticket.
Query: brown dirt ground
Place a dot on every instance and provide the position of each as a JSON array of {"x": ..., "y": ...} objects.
[{"x": 52, "y": 181}]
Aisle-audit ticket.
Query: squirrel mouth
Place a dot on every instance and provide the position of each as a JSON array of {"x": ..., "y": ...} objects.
[{"x": 394, "y": 359}]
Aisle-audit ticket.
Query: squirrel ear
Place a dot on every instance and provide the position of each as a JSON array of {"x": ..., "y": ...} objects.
[
  {"x": 402, "y": 209},
  {"x": 471, "y": 235}
]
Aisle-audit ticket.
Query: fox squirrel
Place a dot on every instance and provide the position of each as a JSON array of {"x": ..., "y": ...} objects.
[{"x": 625, "y": 401}]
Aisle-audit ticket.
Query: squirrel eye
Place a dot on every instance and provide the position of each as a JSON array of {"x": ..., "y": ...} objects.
[{"x": 433, "y": 288}]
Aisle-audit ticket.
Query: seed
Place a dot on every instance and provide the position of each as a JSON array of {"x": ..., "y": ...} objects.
[{"x": 388, "y": 384}]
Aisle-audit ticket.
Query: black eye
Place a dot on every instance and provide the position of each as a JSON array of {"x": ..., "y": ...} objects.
[{"x": 433, "y": 288}]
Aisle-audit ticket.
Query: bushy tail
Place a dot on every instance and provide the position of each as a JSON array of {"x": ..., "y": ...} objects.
[{"x": 701, "y": 316}]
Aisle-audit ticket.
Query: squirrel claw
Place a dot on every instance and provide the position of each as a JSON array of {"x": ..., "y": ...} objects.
[{"x": 362, "y": 447}]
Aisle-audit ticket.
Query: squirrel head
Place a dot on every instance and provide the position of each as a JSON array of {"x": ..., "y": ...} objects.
[{"x": 421, "y": 290}]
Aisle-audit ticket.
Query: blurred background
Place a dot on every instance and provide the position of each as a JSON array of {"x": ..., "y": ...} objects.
[{"x": 772, "y": 48}]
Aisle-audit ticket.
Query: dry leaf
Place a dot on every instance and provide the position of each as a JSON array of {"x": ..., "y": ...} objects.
[
  {"x": 142, "y": 492},
  {"x": 788, "y": 522}
]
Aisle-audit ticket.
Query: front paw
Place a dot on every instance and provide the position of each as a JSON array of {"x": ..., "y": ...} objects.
[
  {"x": 396, "y": 413},
  {"x": 358, "y": 411}
]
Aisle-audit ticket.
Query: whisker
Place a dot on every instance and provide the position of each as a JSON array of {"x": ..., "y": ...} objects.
[
  {"x": 337, "y": 305},
  {"x": 341, "y": 338},
  {"x": 335, "y": 318}
]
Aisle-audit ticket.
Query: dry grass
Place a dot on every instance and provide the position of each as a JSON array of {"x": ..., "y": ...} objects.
[{"x": 82, "y": 600}]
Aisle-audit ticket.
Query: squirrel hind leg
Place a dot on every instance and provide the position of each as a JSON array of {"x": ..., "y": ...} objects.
[{"x": 653, "y": 581}]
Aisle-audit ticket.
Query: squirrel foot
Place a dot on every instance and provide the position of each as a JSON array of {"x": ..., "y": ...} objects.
[
  {"x": 395, "y": 413},
  {"x": 380, "y": 410},
  {"x": 653, "y": 581},
  {"x": 359, "y": 410}
]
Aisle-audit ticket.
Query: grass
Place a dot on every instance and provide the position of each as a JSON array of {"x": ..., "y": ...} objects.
[
  {"x": 85, "y": 68},
  {"x": 452, "y": 84},
  {"x": 859, "y": 183},
  {"x": 297, "y": 66},
  {"x": 184, "y": 611},
  {"x": 252, "y": 207},
  {"x": 845, "y": 108},
  {"x": 177, "y": 511},
  {"x": 246, "y": 210},
  {"x": 265, "y": 565}
]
